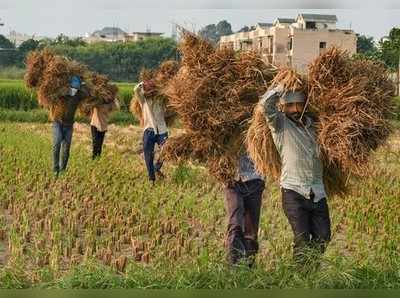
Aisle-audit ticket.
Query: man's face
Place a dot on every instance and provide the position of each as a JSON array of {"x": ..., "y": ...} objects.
[
  {"x": 148, "y": 86},
  {"x": 294, "y": 109}
]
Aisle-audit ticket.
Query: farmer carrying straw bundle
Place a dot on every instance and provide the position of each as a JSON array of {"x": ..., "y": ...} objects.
[
  {"x": 155, "y": 129},
  {"x": 63, "y": 116},
  {"x": 351, "y": 99},
  {"x": 63, "y": 86},
  {"x": 303, "y": 191},
  {"x": 99, "y": 124}
]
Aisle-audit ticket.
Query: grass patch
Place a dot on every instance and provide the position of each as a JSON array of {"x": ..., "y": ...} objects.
[
  {"x": 14, "y": 95},
  {"x": 60, "y": 230},
  {"x": 42, "y": 116},
  {"x": 12, "y": 73}
]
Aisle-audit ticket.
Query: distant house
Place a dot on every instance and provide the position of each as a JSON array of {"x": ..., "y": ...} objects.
[
  {"x": 115, "y": 34},
  {"x": 293, "y": 42},
  {"x": 263, "y": 25},
  {"x": 108, "y": 34},
  {"x": 283, "y": 22},
  {"x": 316, "y": 21},
  {"x": 137, "y": 36}
]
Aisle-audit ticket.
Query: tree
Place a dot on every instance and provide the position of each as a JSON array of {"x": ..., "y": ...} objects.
[
  {"x": 5, "y": 43},
  {"x": 223, "y": 28},
  {"x": 365, "y": 44},
  {"x": 28, "y": 45},
  {"x": 390, "y": 48},
  {"x": 214, "y": 32},
  {"x": 209, "y": 32},
  {"x": 120, "y": 61},
  {"x": 8, "y": 55},
  {"x": 62, "y": 40},
  {"x": 23, "y": 49}
]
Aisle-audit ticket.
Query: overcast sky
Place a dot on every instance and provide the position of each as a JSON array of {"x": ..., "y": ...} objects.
[{"x": 78, "y": 17}]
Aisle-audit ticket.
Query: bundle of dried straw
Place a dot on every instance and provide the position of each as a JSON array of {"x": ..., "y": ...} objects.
[
  {"x": 50, "y": 74},
  {"x": 214, "y": 93},
  {"x": 352, "y": 100}
]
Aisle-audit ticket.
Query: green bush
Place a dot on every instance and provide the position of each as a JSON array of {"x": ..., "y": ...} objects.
[
  {"x": 122, "y": 118},
  {"x": 125, "y": 92},
  {"x": 39, "y": 116},
  {"x": 121, "y": 61}
]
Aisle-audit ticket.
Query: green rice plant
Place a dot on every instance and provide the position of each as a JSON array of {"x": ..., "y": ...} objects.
[
  {"x": 103, "y": 225},
  {"x": 14, "y": 95}
]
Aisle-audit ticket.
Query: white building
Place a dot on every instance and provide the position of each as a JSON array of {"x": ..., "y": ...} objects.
[{"x": 293, "y": 42}]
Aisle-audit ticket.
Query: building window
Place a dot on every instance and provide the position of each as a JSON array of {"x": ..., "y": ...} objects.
[
  {"x": 322, "y": 47},
  {"x": 290, "y": 43},
  {"x": 270, "y": 44},
  {"x": 311, "y": 25}
]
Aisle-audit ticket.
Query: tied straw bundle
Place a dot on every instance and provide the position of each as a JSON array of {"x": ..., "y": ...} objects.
[
  {"x": 50, "y": 75},
  {"x": 214, "y": 93},
  {"x": 352, "y": 100},
  {"x": 160, "y": 76}
]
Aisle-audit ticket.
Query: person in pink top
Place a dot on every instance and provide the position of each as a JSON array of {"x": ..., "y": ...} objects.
[{"x": 99, "y": 124}]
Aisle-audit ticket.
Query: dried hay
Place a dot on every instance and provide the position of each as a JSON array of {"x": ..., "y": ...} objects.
[
  {"x": 54, "y": 82},
  {"x": 214, "y": 93},
  {"x": 101, "y": 91},
  {"x": 36, "y": 63},
  {"x": 50, "y": 74},
  {"x": 136, "y": 109},
  {"x": 352, "y": 101},
  {"x": 160, "y": 76},
  {"x": 261, "y": 146}
]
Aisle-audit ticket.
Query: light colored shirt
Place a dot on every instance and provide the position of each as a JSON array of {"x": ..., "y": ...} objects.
[
  {"x": 246, "y": 171},
  {"x": 100, "y": 114},
  {"x": 153, "y": 112},
  {"x": 302, "y": 169}
]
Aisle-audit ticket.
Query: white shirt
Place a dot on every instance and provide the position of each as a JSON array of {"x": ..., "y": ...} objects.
[{"x": 153, "y": 112}]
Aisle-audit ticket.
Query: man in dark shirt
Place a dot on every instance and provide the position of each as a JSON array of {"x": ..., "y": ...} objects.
[{"x": 63, "y": 121}]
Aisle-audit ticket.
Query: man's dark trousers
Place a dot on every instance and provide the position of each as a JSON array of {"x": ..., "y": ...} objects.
[
  {"x": 150, "y": 139},
  {"x": 243, "y": 205},
  {"x": 97, "y": 140},
  {"x": 309, "y": 221}
]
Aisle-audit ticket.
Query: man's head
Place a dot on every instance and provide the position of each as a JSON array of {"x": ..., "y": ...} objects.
[
  {"x": 75, "y": 82},
  {"x": 293, "y": 104},
  {"x": 75, "y": 85}
]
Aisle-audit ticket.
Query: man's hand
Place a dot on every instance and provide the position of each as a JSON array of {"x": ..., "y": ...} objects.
[{"x": 279, "y": 89}]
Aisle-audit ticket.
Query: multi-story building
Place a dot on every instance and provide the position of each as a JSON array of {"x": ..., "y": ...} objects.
[{"x": 293, "y": 42}]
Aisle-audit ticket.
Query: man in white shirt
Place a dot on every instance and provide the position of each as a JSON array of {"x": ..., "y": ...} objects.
[{"x": 155, "y": 128}]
